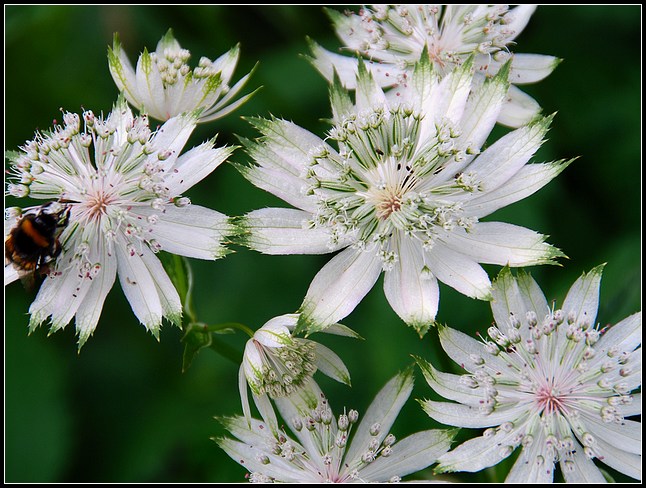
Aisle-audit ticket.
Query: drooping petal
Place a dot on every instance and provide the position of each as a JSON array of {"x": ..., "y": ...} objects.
[
  {"x": 459, "y": 272},
  {"x": 285, "y": 231},
  {"x": 382, "y": 411},
  {"x": 412, "y": 292},
  {"x": 519, "y": 108},
  {"x": 582, "y": 300},
  {"x": 338, "y": 288},
  {"x": 411, "y": 454},
  {"x": 330, "y": 364},
  {"x": 503, "y": 244}
]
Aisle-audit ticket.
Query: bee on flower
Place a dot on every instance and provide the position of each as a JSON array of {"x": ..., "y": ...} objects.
[{"x": 122, "y": 187}]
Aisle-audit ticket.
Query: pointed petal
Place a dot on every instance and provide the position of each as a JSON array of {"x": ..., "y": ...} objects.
[
  {"x": 191, "y": 231},
  {"x": 459, "y": 272},
  {"x": 266, "y": 410},
  {"x": 244, "y": 393},
  {"x": 123, "y": 73},
  {"x": 517, "y": 18},
  {"x": 168, "y": 296},
  {"x": 505, "y": 157},
  {"x": 527, "y": 181},
  {"x": 330, "y": 364},
  {"x": 287, "y": 187},
  {"x": 410, "y": 288},
  {"x": 458, "y": 415},
  {"x": 479, "y": 453},
  {"x": 285, "y": 231},
  {"x": 503, "y": 244},
  {"x": 482, "y": 109},
  {"x": 10, "y": 274},
  {"x": 368, "y": 93},
  {"x": 172, "y": 137},
  {"x": 339, "y": 287},
  {"x": 88, "y": 313},
  {"x": 467, "y": 351},
  {"x": 507, "y": 299},
  {"x": 383, "y": 410},
  {"x": 254, "y": 432},
  {"x": 409, "y": 455},
  {"x": 195, "y": 165},
  {"x": 625, "y": 462},
  {"x": 532, "y": 465},
  {"x": 625, "y": 335},
  {"x": 327, "y": 63},
  {"x": 578, "y": 468},
  {"x": 150, "y": 87},
  {"x": 449, "y": 385},
  {"x": 582, "y": 299},
  {"x": 249, "y": 457},
  {"x": 519, "y": 108},
  {"x": 625, "y": 435},
  {"x": 530, "y": 68},
  {"x": 139, "y": 287}
]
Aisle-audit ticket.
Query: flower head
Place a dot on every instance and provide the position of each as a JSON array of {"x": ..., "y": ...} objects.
[
  {"x": 338, "y": 450},
  {"x": 276, "y": 365},
  {"x": 163, "y": 85},
  {"x": 392, "y": 37},
  {"x": 548, "y": 381},
  {"x": 402, "y": 190},
  {"x": 122, "y": 186}
]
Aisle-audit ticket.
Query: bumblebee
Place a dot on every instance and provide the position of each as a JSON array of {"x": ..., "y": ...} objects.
[{"x": 33, "y": 242}]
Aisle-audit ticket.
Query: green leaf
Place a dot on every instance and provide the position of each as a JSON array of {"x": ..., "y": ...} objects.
[
  {"x": 180, "y": 273},
  {"x": 197, "y": 337}
]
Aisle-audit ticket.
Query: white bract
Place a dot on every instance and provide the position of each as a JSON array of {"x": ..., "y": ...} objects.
[
  {"x": 276, "y": 364},
  {"x": 402, "y": 191},
  {"x": 336, "y": 450},
  {"x": 163, "y": 85},
  {"x": 392, "y": 37},
  {"x": 548, "y": 381},
  {"x": 122, "y": 185}
]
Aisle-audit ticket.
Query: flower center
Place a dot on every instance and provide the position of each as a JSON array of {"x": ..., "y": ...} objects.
[{"x": 549, "y": 399}]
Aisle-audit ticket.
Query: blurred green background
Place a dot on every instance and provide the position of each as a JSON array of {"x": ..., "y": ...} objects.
[{"x": 122, "y": 410}]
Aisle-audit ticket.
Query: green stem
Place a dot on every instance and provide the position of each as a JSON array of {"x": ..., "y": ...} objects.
[
  {"x": 225, "y": 350},
  {"x": 230, "y": 325}
]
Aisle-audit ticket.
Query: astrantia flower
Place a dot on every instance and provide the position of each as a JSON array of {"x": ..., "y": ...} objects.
[
  {"x": 392, "y": 37},
  {"x": 163, "y": 85},
  {"x": 402, "y": 191},
  {"x": 328, "y": 449},
  {"x": 276, "y": 364},
  {"x": 548, "y": 381},
  {"x": 122, "y": 185}
]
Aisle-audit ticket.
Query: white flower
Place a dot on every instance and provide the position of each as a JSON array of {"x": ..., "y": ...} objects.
[
  {"x": 402, "y": 191},
  {"x": 328, "y": 449},
  {"x": 392, "y": 37},
  {"x": 548, "y": 381},
  {"x": 276, "y": 364},
  {"x": 122, "y": 185},
  {"x": 163, "y": 85}
]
